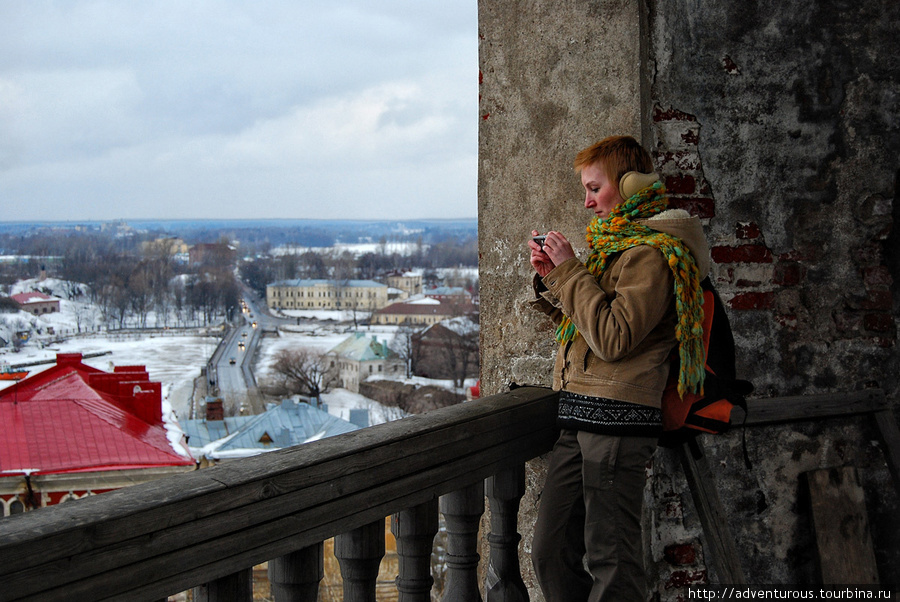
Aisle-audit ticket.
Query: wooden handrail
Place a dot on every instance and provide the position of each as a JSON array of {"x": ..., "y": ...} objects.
[{"x": 162, "y": 537}]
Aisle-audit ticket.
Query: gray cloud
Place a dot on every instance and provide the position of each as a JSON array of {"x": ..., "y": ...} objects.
[{"x": 173, "y": 109}]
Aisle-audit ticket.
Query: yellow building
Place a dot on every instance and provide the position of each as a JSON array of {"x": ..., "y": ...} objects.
[
  {"x": 167, "y": 245},
  {"x": 411, "y": 282},
  {"x": 363, "y": 295}
]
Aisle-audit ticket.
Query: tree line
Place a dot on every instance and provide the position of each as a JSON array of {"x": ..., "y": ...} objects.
[
  {"x": 135, "y": 285},
  {"x": 122, "y": 285},
  {"x": 443, "y": 253}
]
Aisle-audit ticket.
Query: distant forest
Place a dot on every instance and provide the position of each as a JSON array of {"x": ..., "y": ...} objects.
[
  {"x": 252, "y": 235},
  {"x": 129, "y": 276}
]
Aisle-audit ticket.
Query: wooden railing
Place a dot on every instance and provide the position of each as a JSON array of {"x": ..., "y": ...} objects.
[{"x": 207, "y": 529}]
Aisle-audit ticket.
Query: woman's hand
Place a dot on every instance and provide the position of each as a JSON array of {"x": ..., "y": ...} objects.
[
  {"x": 540, "y": 261},
  {"x": 558, "y": 248},
  {"x": 551, "y": 255}
]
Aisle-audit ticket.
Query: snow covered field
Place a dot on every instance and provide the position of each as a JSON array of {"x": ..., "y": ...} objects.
[{"x": 175, "y": 358}]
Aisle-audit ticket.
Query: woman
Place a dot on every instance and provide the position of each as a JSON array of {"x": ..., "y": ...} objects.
[{"x": 619, "y": 315}]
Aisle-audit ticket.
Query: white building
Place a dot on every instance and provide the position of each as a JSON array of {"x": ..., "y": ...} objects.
[{"x": 359, "y": 357}]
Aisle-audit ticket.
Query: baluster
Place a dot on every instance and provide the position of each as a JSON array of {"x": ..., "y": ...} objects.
[
  {"x": 359, "y": 554},
  {"x": 462, "y": 512},
  {"x": 414, "y": 530},
  {"x": 295, "y": 577},
  {"x": 503, "y": 582},
  {"x": 237, "y": 587}
]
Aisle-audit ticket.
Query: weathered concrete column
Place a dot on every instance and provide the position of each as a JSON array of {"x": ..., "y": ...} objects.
[{"x": 555, "y": 78}]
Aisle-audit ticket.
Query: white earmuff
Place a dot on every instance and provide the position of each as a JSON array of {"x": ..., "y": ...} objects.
[{"x": 635, "y": 181}]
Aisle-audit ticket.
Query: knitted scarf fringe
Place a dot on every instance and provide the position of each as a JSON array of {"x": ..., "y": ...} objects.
[{"x": 618, "y": 233}]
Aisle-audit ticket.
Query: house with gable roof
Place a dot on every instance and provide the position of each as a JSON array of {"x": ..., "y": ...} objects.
[
  {"x": 73, "y": 430},
  {"x": 422, "y": 311},
  {"x": 360, "y": 357},
  {"x": 448, "y": 350},
  {"x": 36, "y": 303}
]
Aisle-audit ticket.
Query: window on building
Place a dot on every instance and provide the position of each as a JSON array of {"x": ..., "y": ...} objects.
[{"x": 16, "y": 507}]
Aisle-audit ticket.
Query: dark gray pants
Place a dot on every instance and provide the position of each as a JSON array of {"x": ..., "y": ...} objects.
[{"x": 590, "y": 515}]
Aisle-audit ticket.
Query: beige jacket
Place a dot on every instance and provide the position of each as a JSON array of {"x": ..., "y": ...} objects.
[{"x": 626, "y": 320}]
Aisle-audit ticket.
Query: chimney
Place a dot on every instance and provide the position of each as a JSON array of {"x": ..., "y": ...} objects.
[
  {"x": 359, "y": 417},
  {"x": 68, "y": 359},
  {"x": 132, "y": 371},
  {"x": 214, "y": 410},
  {"x": 144, "y": 399}
]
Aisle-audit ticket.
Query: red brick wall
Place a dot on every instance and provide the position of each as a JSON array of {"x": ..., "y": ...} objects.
[
  {"x": 809, "y": 316},
  {"x": 749, "y": 274}
]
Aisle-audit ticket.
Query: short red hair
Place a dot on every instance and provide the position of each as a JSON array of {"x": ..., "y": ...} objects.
[{"x": 617, "y": 155}]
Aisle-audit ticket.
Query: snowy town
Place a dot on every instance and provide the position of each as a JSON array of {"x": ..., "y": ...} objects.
[
  {"x": 91, "y": 403},
  {"x": 462, "y": 301}
]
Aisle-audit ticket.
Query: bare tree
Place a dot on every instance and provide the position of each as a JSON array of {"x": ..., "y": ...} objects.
[
  {"x": 179, "y": 301},
  {"x": 304, "y": 371},
  {"x": 342, "y": 268},
  {"x": 163, "y": 299},
  {"x": 312, "y": 265},
  {"x": 114, "y": 302},
  {"x": 140, "y": 293},
  {"x": 404, "y": 344},
  {"x": 85, "y": 315}
]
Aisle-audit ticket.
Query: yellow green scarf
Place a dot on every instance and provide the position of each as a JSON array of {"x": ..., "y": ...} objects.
[{"x": 619, "y": 232}]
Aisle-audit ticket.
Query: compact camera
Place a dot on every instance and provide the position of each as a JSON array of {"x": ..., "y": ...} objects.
[{"x": 539, "y": 239}]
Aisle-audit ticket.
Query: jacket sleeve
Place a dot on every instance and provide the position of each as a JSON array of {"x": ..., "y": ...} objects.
[
  {"x": 544, "y": 302},
  {"x": 614, "y": 324}
]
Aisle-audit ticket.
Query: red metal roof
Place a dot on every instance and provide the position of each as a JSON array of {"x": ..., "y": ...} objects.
[
  {"x": 75, "y": 418},
  {"x": 32, "y": 297}
]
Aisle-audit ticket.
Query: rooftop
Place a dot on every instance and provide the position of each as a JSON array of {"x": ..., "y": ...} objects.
[
  {"x": 300, "y": 283},
  {"x": 75, "y": 418},
  {"x": 291, "y": 423},
  {"x": 361, "y": 348},
  {"x": 32, "y": 297}
]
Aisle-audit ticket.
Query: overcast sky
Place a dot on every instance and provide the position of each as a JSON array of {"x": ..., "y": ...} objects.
[{"x": 238, "y": 109}]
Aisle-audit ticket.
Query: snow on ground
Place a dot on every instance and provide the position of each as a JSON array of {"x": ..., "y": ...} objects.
[
  {"x": 462, "y": 272},
  {"x": 175, "y": 358},
  {"x": 335, "y": 315},
  {"x": 317, "y": 329},
  {"x": 356, "y": 249},
  {"x": 420, "y": 381},
  {"x": 174, "y": 361},
  {"x": 341, "y": 401}
]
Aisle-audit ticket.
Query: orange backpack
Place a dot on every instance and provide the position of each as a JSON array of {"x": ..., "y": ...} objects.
[{"x": 709, "y": 412}]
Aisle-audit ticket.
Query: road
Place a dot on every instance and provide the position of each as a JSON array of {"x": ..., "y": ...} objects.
[{"x": 235, "y": 381}]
